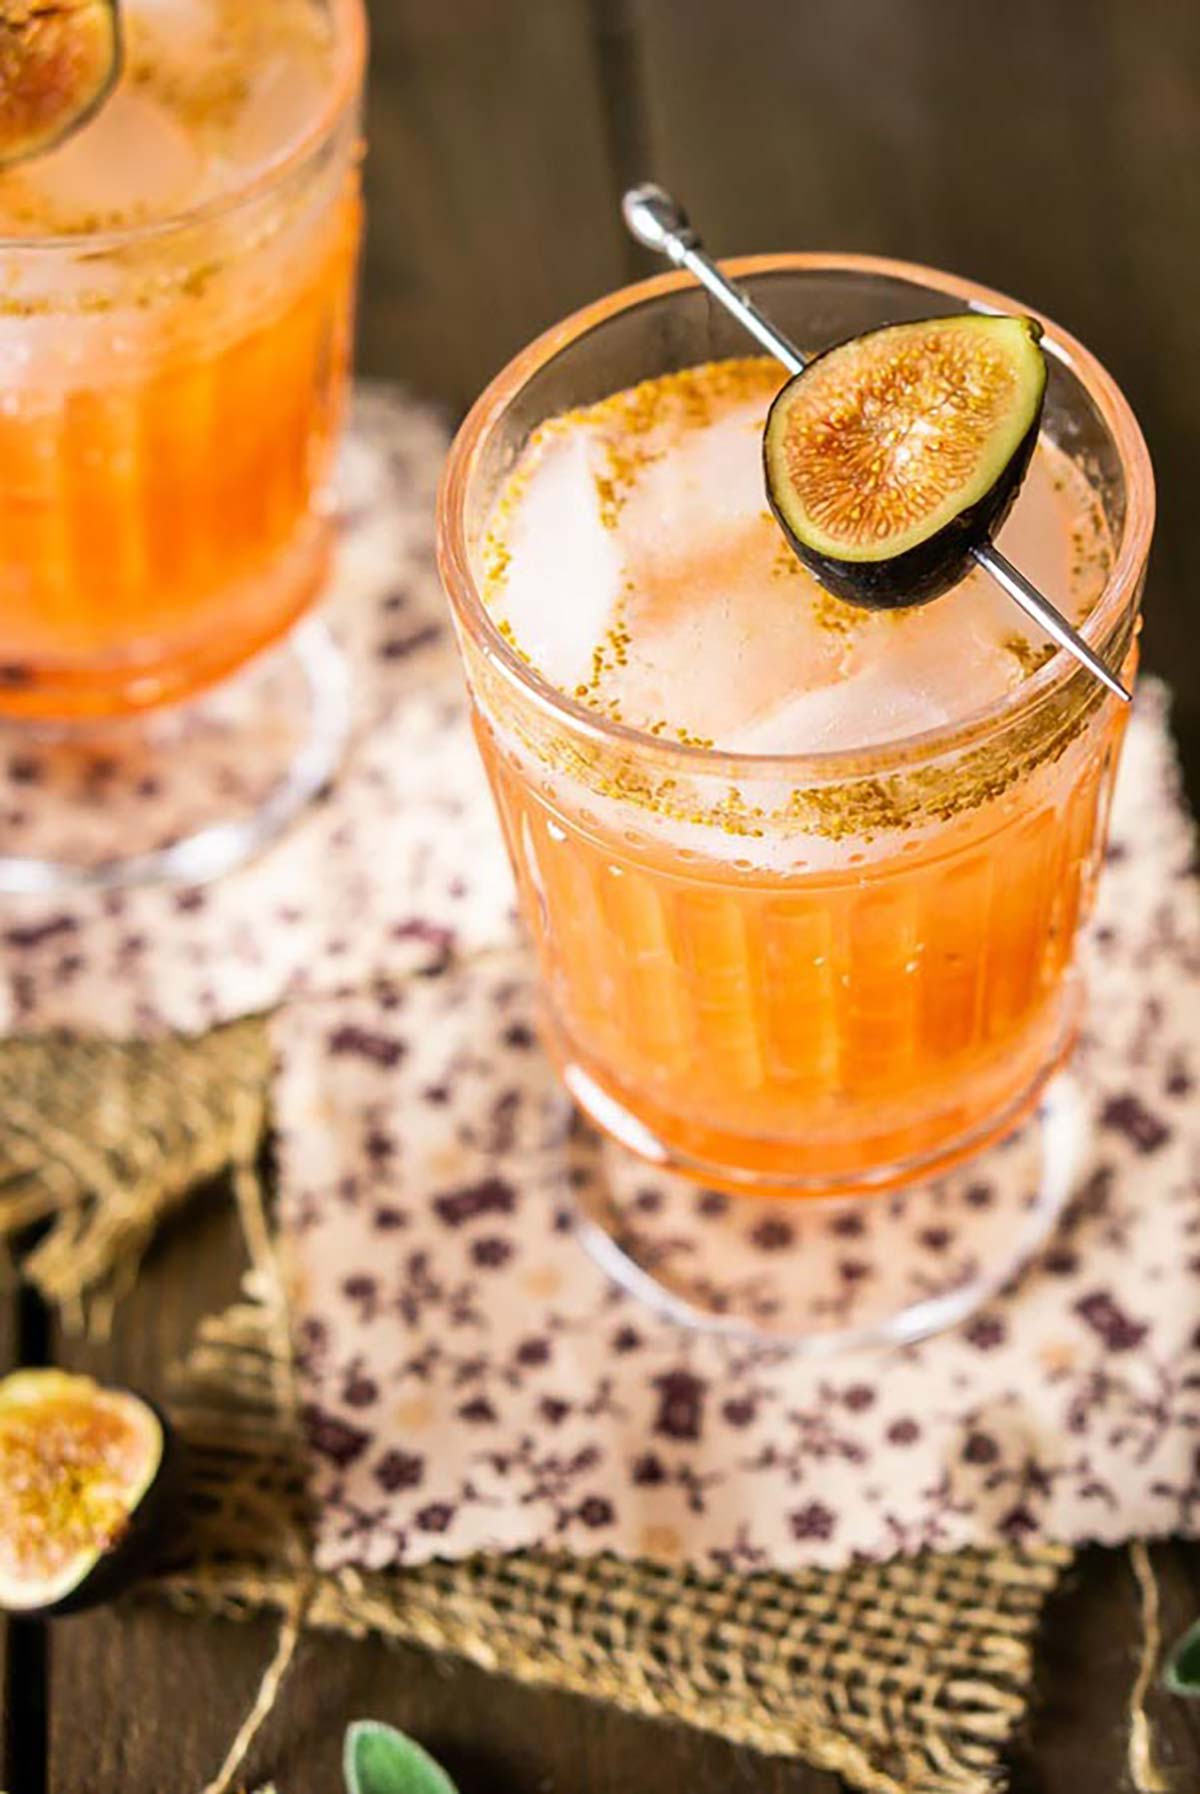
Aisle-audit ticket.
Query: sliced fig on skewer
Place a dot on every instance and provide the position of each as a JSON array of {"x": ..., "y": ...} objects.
[{"x": 890, "y": 458}]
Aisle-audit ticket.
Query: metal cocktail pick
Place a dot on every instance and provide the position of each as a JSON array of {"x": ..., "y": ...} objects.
[{"x": 660, "y": 223}]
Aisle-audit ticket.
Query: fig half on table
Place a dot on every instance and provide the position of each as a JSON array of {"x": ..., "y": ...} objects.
[
  {"x": 892, "y": 456},
  {"x": 59, "y": 61},
  {"x": 82, "y": 1480}
]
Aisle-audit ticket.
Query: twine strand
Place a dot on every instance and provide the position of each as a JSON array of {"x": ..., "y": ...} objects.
[
  {"x": 1144, "y": 1771},
  {"x": 269, "y": 1288},
  {"x": 291, "y": 1628}
]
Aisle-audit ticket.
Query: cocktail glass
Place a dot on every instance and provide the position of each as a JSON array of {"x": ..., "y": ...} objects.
[
  {"x": 170, "y": 397},
  {"x": 847, "y": 977}
]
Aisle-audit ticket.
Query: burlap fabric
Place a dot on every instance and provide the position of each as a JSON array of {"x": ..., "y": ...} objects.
[{"x": 906, "y": 1678}]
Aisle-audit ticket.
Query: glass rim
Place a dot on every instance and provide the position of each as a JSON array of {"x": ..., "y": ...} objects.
[
  {"x": 348, "y": 19},
  {"x": 463, "y": 591}
]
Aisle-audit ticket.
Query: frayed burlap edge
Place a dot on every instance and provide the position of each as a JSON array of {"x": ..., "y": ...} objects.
[
  {"x": 905, "y": 1678},
  {"x": 101, "y": 1139}
]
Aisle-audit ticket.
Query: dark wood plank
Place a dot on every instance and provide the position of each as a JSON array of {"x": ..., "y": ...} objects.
[
  {"x": 488, "y": 186},
  {"x": 492, "y": 1733},
  {"x": 141, "y": 1695},
  {"x": 942, "y": 135},
  {"x": 1151, "y": 121}
]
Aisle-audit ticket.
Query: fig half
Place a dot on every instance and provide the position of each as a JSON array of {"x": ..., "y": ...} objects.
[
  {"x": 59, "y": 60},
  {"x": 892, "y": 456},
  {"x": 80, "y": 1469}
]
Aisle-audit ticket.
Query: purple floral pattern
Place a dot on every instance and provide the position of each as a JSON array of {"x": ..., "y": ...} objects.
[
  {"x": 394, "y": 868},
  {"x": 472, "y": 1380}
]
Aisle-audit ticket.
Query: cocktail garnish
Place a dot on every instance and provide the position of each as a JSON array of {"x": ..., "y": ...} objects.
[
  {"x": 59, "y": 61},
  {"x": 659, "y": 222},
  {"x": 891, "y": 457}
]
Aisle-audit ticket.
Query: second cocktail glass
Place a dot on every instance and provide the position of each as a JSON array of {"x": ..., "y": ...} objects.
[{"x": 175, "y": 335}]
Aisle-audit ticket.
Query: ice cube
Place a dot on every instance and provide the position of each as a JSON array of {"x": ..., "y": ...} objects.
[
  {"x": 564, "y": 576},
  {"x": 132, "y": 161},
  {"x": 176, "y": 31},
  {"x": 282, "y": 101}
]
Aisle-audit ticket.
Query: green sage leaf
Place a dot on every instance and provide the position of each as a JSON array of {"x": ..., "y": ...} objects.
[
  {"x": 380, "y": 1760},
  {"x": 1182, "y": 1674}
]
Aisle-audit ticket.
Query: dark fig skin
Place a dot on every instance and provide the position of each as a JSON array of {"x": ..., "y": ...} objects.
[
  {"x": 133, "y": 1554},
  {"x": 931, "y": 568}
]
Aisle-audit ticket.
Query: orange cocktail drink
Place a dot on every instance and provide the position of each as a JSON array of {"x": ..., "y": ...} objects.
[
  {"x": 805, "y": 882},
  {"x": 176, "y": 288}
]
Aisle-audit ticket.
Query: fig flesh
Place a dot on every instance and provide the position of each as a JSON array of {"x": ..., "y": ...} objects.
[
  {"x": 59, "y": 60},
  {"x": 892, "y": 456},
  {"x": 80, "y": 1469}
]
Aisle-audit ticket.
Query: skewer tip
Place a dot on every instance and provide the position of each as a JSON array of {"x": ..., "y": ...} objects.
[{"x": 657, "y": 220}]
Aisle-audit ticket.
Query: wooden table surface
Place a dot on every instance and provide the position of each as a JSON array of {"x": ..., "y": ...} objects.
[{"x": 1047, "y": 148}]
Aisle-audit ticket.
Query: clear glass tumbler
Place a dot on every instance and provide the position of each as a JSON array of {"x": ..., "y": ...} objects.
[
  {"x": 171, "y": 397},
  {"x": 820, "y": 976}
]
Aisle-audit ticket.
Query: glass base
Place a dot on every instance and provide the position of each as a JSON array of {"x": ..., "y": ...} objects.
[
  {"x": 825, "y": 1275},
  {"x": 180, "y": 795}
]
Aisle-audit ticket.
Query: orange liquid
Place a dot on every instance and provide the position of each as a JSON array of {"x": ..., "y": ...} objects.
[
  {"x": 824, "y": 1027},
  {"x": 161, "y": 524}
]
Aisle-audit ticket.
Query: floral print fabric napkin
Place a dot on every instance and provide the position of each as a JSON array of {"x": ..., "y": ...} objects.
[{"x": 472, "y": 1381}]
